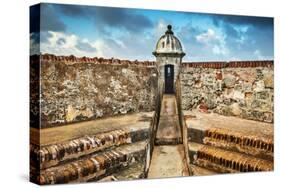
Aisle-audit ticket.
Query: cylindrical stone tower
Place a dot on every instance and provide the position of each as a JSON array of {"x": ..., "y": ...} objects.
[{"x": 169, "y": 56}]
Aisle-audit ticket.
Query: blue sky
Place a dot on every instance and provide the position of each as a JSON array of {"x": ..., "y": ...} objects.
[{"x": 133, "y": 33}]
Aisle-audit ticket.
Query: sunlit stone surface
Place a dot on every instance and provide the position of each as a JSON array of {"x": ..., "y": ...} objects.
[{"x": 96, "y": 119}]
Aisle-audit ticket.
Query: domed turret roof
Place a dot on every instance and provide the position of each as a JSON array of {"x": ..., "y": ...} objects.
[{"x": 168, "y": 44}]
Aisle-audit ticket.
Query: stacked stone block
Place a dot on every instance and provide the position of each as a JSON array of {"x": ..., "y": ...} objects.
[
  {"x": 244, "y": 89},
  {"x": 72, "y": 89},
  {"x": 227, "y": 144},
  {"x": 109, "y": 152}
]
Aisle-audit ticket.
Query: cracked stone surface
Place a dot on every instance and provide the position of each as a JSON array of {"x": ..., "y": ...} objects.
[
  {"x": 76, "y": 130},
  {"x": 168, "y": 158},
  {"x": 167, "y": 161},
  {"x": 168, "y": 129},
  {"x": 245, "y": 92}
]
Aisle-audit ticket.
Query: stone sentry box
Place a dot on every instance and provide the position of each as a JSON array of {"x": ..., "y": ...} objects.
[{"x": 169, "y": 54}]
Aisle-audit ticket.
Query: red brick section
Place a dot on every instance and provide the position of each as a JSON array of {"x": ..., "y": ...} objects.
[
  {"x": 230, "y": 64},
  {"x": 100, "y": 60},
  {"x": 94, "y": 60},
  {"x": 215, "y": 65}
]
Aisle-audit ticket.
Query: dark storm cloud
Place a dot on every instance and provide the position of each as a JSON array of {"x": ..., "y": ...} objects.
[
  {"x": 257, "y": 36},
  {"x": 254, "y": 39},
  {"x": 73, "y": 10},
  {"x": 123, "y": 18},
  {"x": 34, "y": 28},
  {"x": 83, "y": 46},
  {"x": 34, "y": 19},
  {"x": 259, "y": 22},
  {"x": 50, "y": 19},
  {"x": 35, "y": 37},
  {"x": 109, "y": 17},
  {"x": 132, "y": 32}
]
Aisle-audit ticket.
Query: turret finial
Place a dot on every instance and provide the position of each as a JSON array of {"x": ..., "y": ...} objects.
[{"x": 169, "y": 30}]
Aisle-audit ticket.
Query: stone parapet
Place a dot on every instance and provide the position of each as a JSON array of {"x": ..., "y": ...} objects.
[
  {"x": 95, "y": 60},
  {"x": 228, "y": 64}
]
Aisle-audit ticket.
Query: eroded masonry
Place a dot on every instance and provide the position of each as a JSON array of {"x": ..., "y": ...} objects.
[{"x": 95, "y": 119}]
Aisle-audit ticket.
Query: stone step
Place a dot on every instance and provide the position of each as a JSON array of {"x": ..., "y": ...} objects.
[
  {"x": 225, "y": 161},
  {"x": 231, "y": 133},
  {"x": 200, "y": 171},
  {"x": 96, "y": 166},
  {"x": 54, "y": 154},
  {"x": 61, "y": 144},
  {"x": 135, "y": 171}
]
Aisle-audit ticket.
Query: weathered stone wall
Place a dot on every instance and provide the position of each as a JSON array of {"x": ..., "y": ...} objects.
[
  {"x": 244, "y": 89},
  {"x": 76, "y": 89}
]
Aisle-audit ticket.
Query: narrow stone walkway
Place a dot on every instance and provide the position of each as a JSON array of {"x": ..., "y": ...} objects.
[
  {"x": 168, "y": 156},
  {"x": 169, "y": 131}
]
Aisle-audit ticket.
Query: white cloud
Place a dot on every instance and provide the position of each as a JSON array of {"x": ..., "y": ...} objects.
[
  {"x": 213, "y": 41},
  {"x": 258, "y": 54},
  {"x": 207, "y": 37},
  {"x": 219, "y": 50},
  {"x": 60, "y": 43},
  {"x": 108, "y": 48},
  {"x": 161, "y": 27},
  {"x": 101, "y": 47}
]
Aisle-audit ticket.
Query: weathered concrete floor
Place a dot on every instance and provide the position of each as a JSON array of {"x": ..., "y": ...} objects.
[
  {"x": 62, "y": 133},
  {"x": 167, "y": 161},
  {"x": 168, "y": 131},
  {"x": 205, "y": 121},
  {"x": 168, "y": 155}
]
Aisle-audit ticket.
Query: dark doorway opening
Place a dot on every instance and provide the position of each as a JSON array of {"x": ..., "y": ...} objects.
[{"x": 169, "y": 78}]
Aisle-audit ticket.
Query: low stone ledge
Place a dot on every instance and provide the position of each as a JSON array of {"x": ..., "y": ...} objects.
[
  {"x": 225, "y": 161},
  {"x": 230, "y": 133},
  {"x": 200, "y": 171},
  {"x": 132, "y": 172},
  {"x": 248, "y": 144},
  {"x": 128, "y": 122},
  {"x": 54, "y": 154},
  {"x": 96, "y": 166}
]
